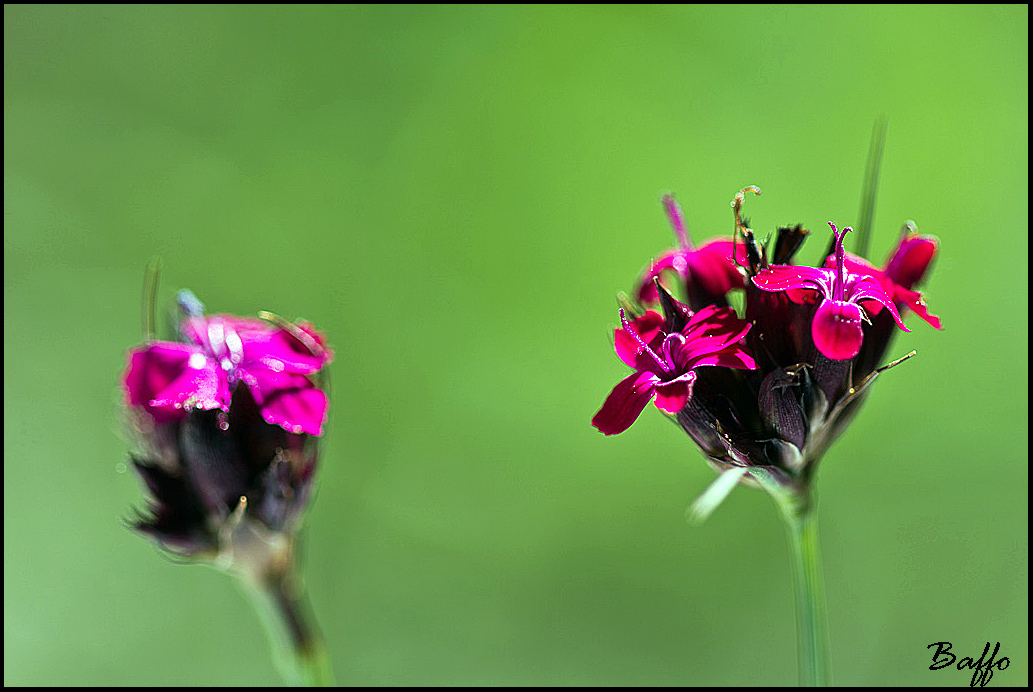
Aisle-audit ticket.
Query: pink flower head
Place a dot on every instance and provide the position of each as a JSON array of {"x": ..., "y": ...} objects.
[
  {"x": 665, "y": 363},
  {"x": 707, "y": 270},
  {"x": 274, "y": 362},
  {"x": 836, "y": 327},
  {"x": 904, "y": 269}
]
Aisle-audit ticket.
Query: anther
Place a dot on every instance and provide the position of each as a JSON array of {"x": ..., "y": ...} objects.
[{"x": 737, "y": 202}]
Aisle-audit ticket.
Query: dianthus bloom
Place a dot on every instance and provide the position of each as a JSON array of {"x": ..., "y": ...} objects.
[
  {"x": 225, "y": 429},
  {"x": 836, "y": 327},
  {"x": 168, "y": 379},
  {"x": 765, "y": 392},
  {"x": 807, "y": 348},
  {"x": 225, "y": 426},
  {"x": 665, "y": 354}
]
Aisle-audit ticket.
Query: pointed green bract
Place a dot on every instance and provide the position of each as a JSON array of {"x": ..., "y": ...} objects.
[
  {"x": 150, "y": 297},
  {"x": 714, "y": 495},
  {"x": 871, "y": 185}
]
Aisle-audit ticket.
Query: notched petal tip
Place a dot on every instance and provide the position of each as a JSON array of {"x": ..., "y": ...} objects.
[{"x": 671, "y": 396}]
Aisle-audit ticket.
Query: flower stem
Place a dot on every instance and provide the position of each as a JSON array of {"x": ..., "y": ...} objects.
[
  {"x": 298, "y": 649},
  {"x": 811, "y": 618}
]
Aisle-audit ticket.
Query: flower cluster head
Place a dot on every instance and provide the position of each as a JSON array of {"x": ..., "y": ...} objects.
[
  {"x": 226, "y": 425},
  {"x": 764, "y": 394}
]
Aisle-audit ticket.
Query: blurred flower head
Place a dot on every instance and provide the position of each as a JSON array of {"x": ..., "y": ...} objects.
[
  {"x": 274, "y": 362},
  {"x": 225, "y": 427},
  {"x": 807, "y": 348}
]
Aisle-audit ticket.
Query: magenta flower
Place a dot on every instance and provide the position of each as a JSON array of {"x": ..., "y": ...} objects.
[
  {"x": 905, "y": 267},
  {"x": 224, "y": 432},
  {"x": 707, "y": 271},
  {"x": 803, "y": 368},
  {"x": 836, "y": 326},
  {"x": 275, "y": 363},
  {"x": 665, "y": 357}
]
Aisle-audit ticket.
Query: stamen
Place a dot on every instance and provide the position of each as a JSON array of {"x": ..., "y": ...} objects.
[
  {"x": 740, "y": 198},
  {"x": 737, "y": 203},
  {"x": 216, "y": 339},
  {"x": 671, "y": 342},
  {"x": 235, "y": 346},
  {"x": 224, "y": 344},
  {"x": 642, "y": 344},
  {"x": 677, "y": 219},
  {"x": 300, "y": 335}
]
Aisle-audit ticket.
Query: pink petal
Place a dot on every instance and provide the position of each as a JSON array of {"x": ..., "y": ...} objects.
[
  {"x": 905, "y": 268},
  {"x": 713, "y": 320},
  {"x": 672, "y": 259},
  {"x": 913, "y": 300},
  {"x": 286, "y": 399},
  {"x": 625, "y": 403},
  {"x": 710, "y": 331},
  {"x": 836, "y": 329},
  {"x": 735, "y": 357},
  {"x": 168, "y": 378},
  {"x": 300, "y": 410},
  {"x": 781, "y": 277},
  {"x": 671, "y": 396},
  {"x": 708, "y": 314},
  {"x": 262, "y": 343},
  {"x": 803, "y": 296},
  {"x": 854, "y": 265},
  {"x": 868, "y": 288},
  {"x": 648, "y": 326},
  {"x": 279, "y": 349},
  {"x": 710, "y": 267},
  {"x": 911, "y": 259}
]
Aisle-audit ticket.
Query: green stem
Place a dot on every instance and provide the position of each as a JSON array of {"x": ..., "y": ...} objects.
[
  {"x": 298, "y": 648},
  {"x": 801, "y": 522}
]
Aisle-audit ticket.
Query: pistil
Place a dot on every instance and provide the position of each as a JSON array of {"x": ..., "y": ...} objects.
[
  {"x": 677, "y": 219},
  {"x": 642, "y": 344}
]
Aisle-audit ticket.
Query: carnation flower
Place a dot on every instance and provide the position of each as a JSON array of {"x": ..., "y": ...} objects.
[
  {"x": 807, "y": 349},
  {"x": 665, "y": 354},
  {"x": 764, "y": 393},
  {"x": 226, "y": 429},
  {"x": 225, "y": 432},
  {"x": 274, "y": 361}
]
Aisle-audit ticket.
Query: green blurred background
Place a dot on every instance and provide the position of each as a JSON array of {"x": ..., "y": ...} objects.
[{"x": 454, "y": 195}]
